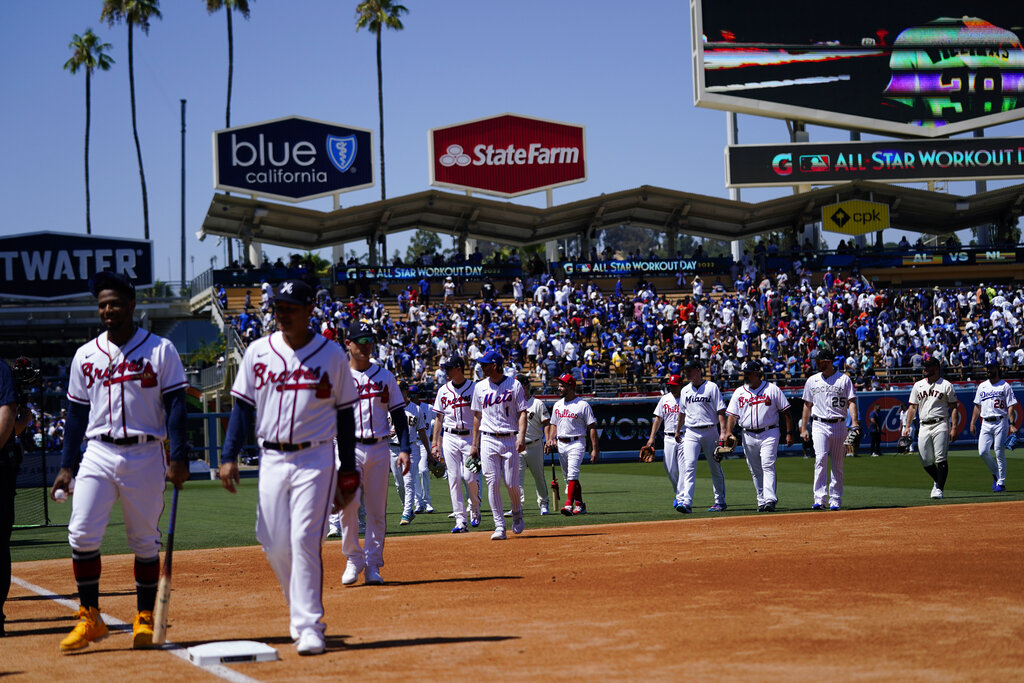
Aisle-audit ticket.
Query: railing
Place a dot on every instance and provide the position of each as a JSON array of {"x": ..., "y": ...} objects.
[{"x": 211, "y": 377}]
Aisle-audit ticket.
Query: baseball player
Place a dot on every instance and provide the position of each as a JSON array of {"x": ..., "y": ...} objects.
[
  {"x": 407, "y": 483},
  {"x": 828, "y": 398},
  {"x": 421, "y": 492},
  {"x": 537, "y": 421},
  {"x": 299, "y": 388},
  {"x": 571, "y": 419},
  {"x": 126, "y": 393},
  {"x": 499, "y": 436},
  {"x": 702, "y": 416},
  {"x": 994, "y": 403},
  {"x": 667, "y": 413},
  {"x": 934, "y": 402},
  {"x": 757, "y": 407},
  {"x": 452, "y": 440}
]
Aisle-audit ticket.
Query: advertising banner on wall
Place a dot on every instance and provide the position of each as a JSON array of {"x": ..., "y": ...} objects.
[
  {"x": 292, "y": 159},
  {"x": 507, "y": 155},
  {"x": 469, "y": 272},
  {"x": 702, "y": 266},
  {"x": 855, "y": 217}
]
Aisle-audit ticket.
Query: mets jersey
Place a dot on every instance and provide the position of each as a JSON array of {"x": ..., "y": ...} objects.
[
  {"x": 757, "y": 408},
  {"x": 536, "y": 418},
  {"x": 454, "y": 404},
  {"x": 378, "y": 394},
  {"x": 668, "y": 410},
  {"x": 124, "y": 387},
  {"x": 499, "y": 404},
  {"x": 296, "y": 392},
  {"x": 829, "y": 397},
  {"x": 933, "y": 401},
  {"x": 572, "y": 418},
  {"x": 700, "y": 405},
  {"x": 995, "y": 399}
]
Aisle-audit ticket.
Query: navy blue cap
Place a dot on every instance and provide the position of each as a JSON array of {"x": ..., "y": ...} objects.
[
  {"x": 294, "y": 292},
  {"x": 491, "y": 356},
  {"x": 108, "y": 279},
  {"x": 358, "y": 330},
  {"x": 752, "y": 365},
  {"x": 414, "y": 389},
  {"x": 454, "y": 362}
]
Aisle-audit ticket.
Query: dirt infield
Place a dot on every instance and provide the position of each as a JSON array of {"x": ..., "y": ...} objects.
[{"x": 932, "y": 593}]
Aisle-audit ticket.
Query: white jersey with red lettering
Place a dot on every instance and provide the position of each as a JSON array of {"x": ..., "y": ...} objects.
[
  {"x": 572, "y": 418},
  {"x": 700, "y": 405},
  {"x": 454, "y": 403},
  {"x": 499, "y": 405},
  {"x": 757, "y": 408},
  {"x": 378, "y": 394},
  {"x": 829, "y": 396},
  {"x": 668, "y": 410}
]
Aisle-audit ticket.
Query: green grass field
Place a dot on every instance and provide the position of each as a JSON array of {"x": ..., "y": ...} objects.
[{"x": 209, "y": 517}]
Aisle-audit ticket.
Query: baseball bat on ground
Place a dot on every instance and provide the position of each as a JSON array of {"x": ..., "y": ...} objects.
[
  {"x": 554, "y": 482},
  {"x": 163, "y": 591}
]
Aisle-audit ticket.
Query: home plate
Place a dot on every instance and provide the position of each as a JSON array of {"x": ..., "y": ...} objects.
[{"x": 231, "y": 652}]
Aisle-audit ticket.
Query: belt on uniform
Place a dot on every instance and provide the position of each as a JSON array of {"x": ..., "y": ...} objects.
[
  {"x": 459, "y": 432},
  {"x": 569, "y": 439},
  {"x": 370, "y": 441},
  {"x": 830, "y": 420},
  {"x": 699, "y": 426},
  {"x": 993, "y": 419},
  {"x": 933, "y": 421},
  {"x": 128, "y": 440},
  {"x": 758, "y": 431},
  {"x": 291, "y": 447},
  {"x": 532, "y": 441},
  {"x": 499, "y": 433}
]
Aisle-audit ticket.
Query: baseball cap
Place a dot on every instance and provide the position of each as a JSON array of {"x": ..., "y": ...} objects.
[
  {"x": 454, "y": 362},
  {"x": 992, "y": 364},
  {"x": 826, "y": 353},
  {"x": 932, "y": 360},
  {"x": 294, "y": 292},
  {"x": 414, "y": 389},
  {"x": 693, "y": 364},
  {"x": 567, "y": 379},
  {"x": 108, "y": 279},
  {"x": 675, "y": 381},
  {"x": 491, "y": 356},
  {"x": 359, "y": 330},
  {"x": 751, "y": 365}
]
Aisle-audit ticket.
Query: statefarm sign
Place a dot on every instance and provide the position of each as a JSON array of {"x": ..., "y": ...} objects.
[{"x": 507, "y": 155}]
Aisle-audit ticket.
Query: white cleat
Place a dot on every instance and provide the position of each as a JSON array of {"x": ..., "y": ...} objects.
[
  {"x": 333, "y": 531},
  {"x": 451, "y": 516},
  {"x": 498, "y": 535},
  {"x": 936, "y": 491},
  {"x": 373, "y": 577},
  {"x": 311, "y": 643},
  {"x": 508, "y": 513},
  {"x": 293, "y": 632},
  {"x": 544, "y": 510},
  {"x": 351, "y": 575},
  {"x": 429, "y": 509}
]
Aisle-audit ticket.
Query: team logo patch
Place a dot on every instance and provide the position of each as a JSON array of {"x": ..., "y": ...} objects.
[
  {"x": 767, "y": 401},
  {"x": 341, "y": 151}
]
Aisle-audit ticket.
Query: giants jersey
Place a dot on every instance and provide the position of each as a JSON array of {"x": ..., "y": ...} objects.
[
  {"x": 378, "y": 394},
  {"x": 296, "y": 392},
  {"x": 668, "y": 410},
  {"x": 536, "y": 418},
  {"x": 414, "y": 419},
  {"x": 572, "y": 418},
  {"x": 829, "y": 397},
  {"x": 700, "y": 405},
  {"x": 757, "y": 408},
  {"x": 499, "y": 404},
  {"x": 124, "y": 387},
  {"x": 933, "y": 401},
  {"x": 995, "y": 399},
  {"x": 454, "y": 404}
]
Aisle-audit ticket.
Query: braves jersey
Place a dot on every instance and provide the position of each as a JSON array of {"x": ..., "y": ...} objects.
[
  {"x": 668, "y": 410},
  {"x": 572, "y": 418},
  {"x": 499, "y": 404},
  {"x": 454, "y": 403},
  {"x": 296, "y": 392},
  {"x": 700, "y": 405},
  {"x": 757, "y": 408},
  {"x": 124, "y": 386},
  {"x": 536, "y": 418},
  {"x": 995, "y": 399},
  {"x": 829, "y": 397},
  {"x": 378, "y": 394},
  {"x": 933, "y": 401}
]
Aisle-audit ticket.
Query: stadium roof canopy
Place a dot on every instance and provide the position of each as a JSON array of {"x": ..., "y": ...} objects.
[{"x": 649, "y": 207}]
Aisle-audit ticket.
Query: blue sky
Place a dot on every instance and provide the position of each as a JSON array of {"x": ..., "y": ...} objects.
[{"x": 622, "y": 69}]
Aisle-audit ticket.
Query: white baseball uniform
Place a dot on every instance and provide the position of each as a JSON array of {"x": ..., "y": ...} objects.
[
  {"x": 421, "y": 490},
  {"x": 995, "y": 401},
  {"x": 499, "y": 406},
  {"x": 698, "y": 409},
  {"x": 829, "y": 399},
  {"x": 934, "y": 402},
  {"x": 405, "y": 484},
  {"x": 668, "y": 410},
  {"x": 757, "y": 413},
  {"x": 453, "y": 406},
  {"x": 297, "y": 394},
  {"x": 533, "y": 458},
  {"x": 572, "y": 419}
]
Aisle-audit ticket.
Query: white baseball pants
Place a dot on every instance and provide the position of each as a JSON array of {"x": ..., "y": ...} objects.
[
  {"x": 372, "y": 461},
  {"x": 533, "y": 459},
  {"x": 422, "y": 492},
  {"x": 694, "y": 442},
  {"x": 992, "y": 439},
  {"x": 761, "y": 451},
  {"x": 405, "y": 484},
  {"x": 456, "y": 452},
  {"x": 500, "y": 461},
  {"x": 571, "y": 455},
  {"x": 673, "y": 454},
  {"x": 933, "y": 443},
  {"x": 829, "y": 440}
]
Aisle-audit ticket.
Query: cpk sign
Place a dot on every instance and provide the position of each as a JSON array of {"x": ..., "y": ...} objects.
[
  {"x": 507, "y": 155},
  {"x": 292, "y": 159}
]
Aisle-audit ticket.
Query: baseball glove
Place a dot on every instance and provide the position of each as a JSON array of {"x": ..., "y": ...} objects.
[
  {"x": 646, "y": 453},
  {"x": 1011, "y": 441},
  {"x": 903, "y": 445},
  {"x": 473, "y": 465},
  {"x": 437, "y": 468},
  {"x": 724, "y": 448}
]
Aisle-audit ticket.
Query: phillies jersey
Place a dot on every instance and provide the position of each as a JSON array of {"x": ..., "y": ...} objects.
[
  {"x": 296, "y": 392},
  {"x": 499, "y": 404},
  {"x": 995, "y": 399},
  {"x": 757, "y": 408},
  {"x": 124, "y": 387},
  {"x": 700, "y": 405},
  {"x": 377, "y": 395},
  {"x": 454, "y": 403},
  {"x": 572, "y": 418},
  {"x": 933, "y": 401},
  {"x": 668, "y": 410},
  {"x": 536, "y": 418},
  {"x": 829, "y": 397}
]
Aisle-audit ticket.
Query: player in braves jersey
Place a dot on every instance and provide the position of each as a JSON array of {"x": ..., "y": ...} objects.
[
  {"x": 499, "y": 436},
  {"x": 571, "y": 419},
  {"x": 828, "y": 398},
  {"x": 757, "y": 406},
  {"x": 126, "y": 393},
  {"x": 406, "y": 484},
  {"x": 537, "y": 420},
  {"x": 421, "y": 490},
  {"x": 453, "y": 441},
  {"x": 300, "y": 388},
  {"x": 934, "y": 402},
  {"x": 994, "y": 403},
  {"x": 667, "y": 413},
  {"x": 702, "y": 415}
]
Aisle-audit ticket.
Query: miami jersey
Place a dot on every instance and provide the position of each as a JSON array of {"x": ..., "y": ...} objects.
[
  {"x": 757, "y": 408},
  {"x": 829, "y": 397},
  {"x": 572, "y": 418},
  {"x": 995, "y": 399},
  {"x": 296, "y": 392},
  {"x": 668, "y": 410},
  {"x": 454, "y": 403},
  {"x": 124, "y": 386},
  {"x": 377, "y": 395},
  {"x": 933, "y": 401},
  {"x": 499, "y": 404},
  {"x": 700, "y": 405}
]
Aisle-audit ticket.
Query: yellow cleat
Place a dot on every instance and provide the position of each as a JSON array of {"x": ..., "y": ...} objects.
[
  {"x": 142, "y": 630},
  {"x": 90, "y": 627}
]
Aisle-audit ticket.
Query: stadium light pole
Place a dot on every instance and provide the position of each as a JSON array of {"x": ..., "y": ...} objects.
[
  {"x": 732, "y": 137},
  {"x": 183, "y": 194}
]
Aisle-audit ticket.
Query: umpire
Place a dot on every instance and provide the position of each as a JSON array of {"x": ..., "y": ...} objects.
[{"x": 10, "y": 459}]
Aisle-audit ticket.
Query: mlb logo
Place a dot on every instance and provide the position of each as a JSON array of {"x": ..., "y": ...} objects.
[
  {"x": 342, "y": 151},
  {"x": 814, "y": 163}
]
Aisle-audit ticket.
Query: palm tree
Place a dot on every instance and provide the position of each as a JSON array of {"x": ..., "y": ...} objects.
[
  {"x": 134, "y": 13},
  {"x": 89, "y": 53},
  {"x": 374, "y": 15},
  {"x": 242, "y": 7}
]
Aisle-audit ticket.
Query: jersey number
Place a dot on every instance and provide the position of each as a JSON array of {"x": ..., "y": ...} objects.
[{"x": 838, "y": 402}]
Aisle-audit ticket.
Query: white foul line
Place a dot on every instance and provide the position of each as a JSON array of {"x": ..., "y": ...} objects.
[{"x": 218, "y": 670}]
